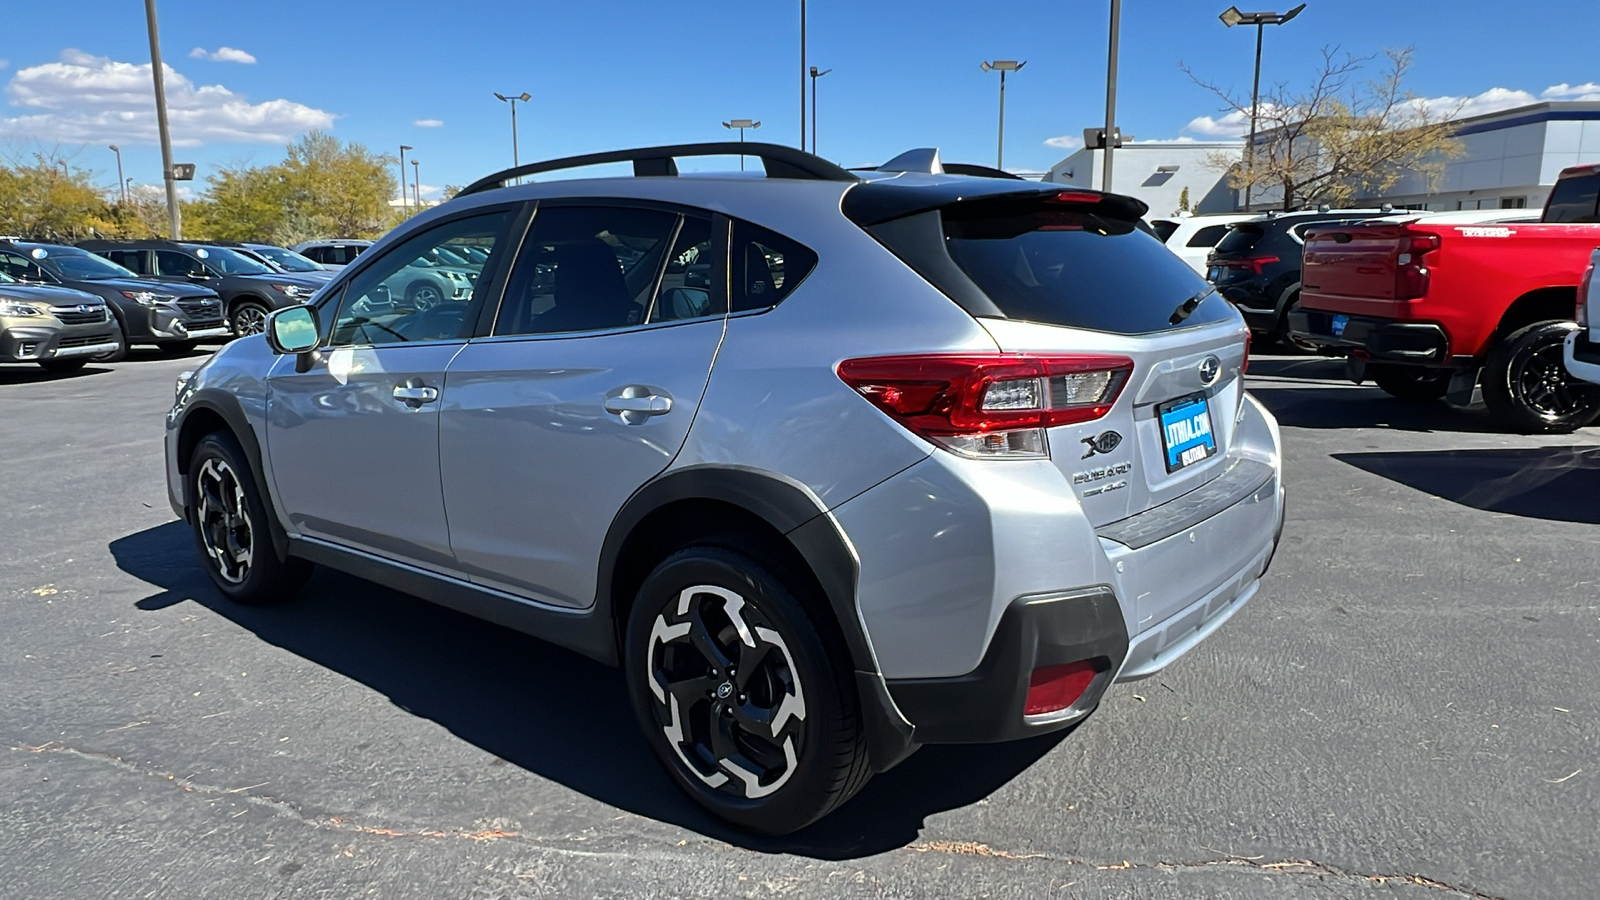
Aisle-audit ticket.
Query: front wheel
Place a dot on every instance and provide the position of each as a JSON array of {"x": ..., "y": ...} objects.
[
  {"x": 745, "y": 701},
  {"x": 118, "y": 354},
  {"x": 248, "y": 317},
  {"x": 1413, "y": 384},
  {"x": 229, "y": 521},
  {"x": 1527, "y": 387},
  {"x": 63, "y": 365}
]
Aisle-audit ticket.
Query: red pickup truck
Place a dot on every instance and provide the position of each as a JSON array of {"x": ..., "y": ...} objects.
[{"x": 1429, "y": 311}]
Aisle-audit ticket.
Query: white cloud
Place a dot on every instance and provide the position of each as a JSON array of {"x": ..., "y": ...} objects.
[
  {"x": 88, "y": 99},
  {"x": 428, "y": 123},
  {"x": 1564, "y": 91},
  {"x": 222, "y": 54},
  {"x": 1493, "y": 100},
  {"x": 1229, "y": 125},
  {"x": 1064, "y": 142}
]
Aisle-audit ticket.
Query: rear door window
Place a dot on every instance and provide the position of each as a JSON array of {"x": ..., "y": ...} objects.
[
  {"x": 1075, "y": 267},
  {"x": 1207, "y": 236},
  {"x": 133, "y": 260},
  {"x": 1575, "y": 200},
  {"x": 171, "y": 262}
]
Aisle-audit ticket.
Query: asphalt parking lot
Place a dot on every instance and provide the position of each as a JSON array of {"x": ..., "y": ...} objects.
[{"x": 1408, "y": 709}]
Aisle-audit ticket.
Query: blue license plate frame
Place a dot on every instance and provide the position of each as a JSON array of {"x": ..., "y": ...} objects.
[{"x": 1185, "y": 425}]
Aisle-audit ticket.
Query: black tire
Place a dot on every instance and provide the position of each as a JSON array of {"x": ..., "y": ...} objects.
[
  {"x": 229, "y": 523},
  {"x": 1527, "y": 387},
  {"x": 117, "y": 355},
  {"x": 178, "y": 348},
  {"x": 775, "y": 714},
  {"x": 247, "y": 317},
  {"x": 63, "y": 365},
  {"x": 1413, "y": 384}
]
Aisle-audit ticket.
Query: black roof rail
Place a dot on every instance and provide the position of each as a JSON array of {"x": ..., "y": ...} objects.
[{"x": 779, "y": 161}]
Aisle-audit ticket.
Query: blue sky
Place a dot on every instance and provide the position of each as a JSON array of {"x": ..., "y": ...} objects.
[{"x": 628, "y": 73}]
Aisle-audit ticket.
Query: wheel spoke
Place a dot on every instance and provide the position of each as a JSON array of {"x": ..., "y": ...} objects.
[
  {"x": 691, "y": 691},
  {"x": 703, "y": 640},
  {"x": 723, "y": 743},
  {"x": 750, "y": 662}
]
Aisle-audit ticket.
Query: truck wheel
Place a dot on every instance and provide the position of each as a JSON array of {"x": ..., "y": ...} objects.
[
  {"x": 1527, "y": 387},
  {"x": 1413, "y": 384},
  {"x": 746, "y": 703}
]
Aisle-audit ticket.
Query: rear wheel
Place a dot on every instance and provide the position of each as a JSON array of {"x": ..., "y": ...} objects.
[
  {"x": 746, "y": 703},
  {"x": 63, "y": 365},
  {"x": 1527, "y": 387},
  {"x": 1414, "y": 384},
  {"x": 229, "y": 521}
]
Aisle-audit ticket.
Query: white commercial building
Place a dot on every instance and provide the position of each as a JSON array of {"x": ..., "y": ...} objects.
[{"x": 1157, "y": 172}]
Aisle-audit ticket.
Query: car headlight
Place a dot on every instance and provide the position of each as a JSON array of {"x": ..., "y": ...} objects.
[
  {"x": 12, "y": 307},
  {"x": 148, "y": 298},
  {"x": 294, "y": 291}
]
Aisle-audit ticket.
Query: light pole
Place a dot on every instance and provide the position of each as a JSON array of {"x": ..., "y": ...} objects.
[
  {"x": 524, "y": 97},
  {"x": 1231, "y": 17},
  {"x": 1002, "y": 66},
  {"x": 814, "y": 76},
  {"x": 742, "y": 124},
  {"x": 802, "y": 78},
  {"x": 123, "y": 187},
  {"x": 1111, "y": 97},
  {"x": 416, "y": 175},
  {"x": 404, "y": 209},
  {"x": 174, "y": 215}
]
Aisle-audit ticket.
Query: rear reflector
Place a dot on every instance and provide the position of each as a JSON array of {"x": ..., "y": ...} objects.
[{"x": 1054, "y": 688}]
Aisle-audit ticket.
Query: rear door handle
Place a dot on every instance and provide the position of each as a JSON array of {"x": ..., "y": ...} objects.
[
  {"x": 649, "y": 404},
  {"x": 415, "y": 395}
]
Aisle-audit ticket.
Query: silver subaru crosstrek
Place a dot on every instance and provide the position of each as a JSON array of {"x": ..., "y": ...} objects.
[{"x": 832, "y": 464}]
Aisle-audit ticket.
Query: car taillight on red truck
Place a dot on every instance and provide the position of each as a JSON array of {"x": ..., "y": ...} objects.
[{"x": 1411, "y": 271}]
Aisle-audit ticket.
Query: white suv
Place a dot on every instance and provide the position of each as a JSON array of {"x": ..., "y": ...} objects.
[
  {"x": 833, "y": 466},
  {"x": 1582, "y": 349}
]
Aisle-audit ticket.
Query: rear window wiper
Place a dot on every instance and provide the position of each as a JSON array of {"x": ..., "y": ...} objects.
[{"x": 1187, "y": 307}]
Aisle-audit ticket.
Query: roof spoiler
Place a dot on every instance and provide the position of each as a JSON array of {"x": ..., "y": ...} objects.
[{"x": 925, "y": 160}]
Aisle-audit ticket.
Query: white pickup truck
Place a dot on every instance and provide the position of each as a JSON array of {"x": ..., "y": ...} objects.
[{"x": 1582, "y": 350}]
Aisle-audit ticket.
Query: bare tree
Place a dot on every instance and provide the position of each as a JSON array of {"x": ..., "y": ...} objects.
[{"x": 1340, "y": 138}]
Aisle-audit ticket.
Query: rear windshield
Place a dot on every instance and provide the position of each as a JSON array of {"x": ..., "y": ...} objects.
[
  {"x": 1574, "y": 200},
  {"x": 1163, "y": 228},
  {"x": 1063, "y": 266},
  {"x": 1239, "y": 239}
]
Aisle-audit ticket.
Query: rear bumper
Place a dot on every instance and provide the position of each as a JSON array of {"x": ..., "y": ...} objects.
[
  {"x": 1383, "y": 340},
  {"x": 1582, "y": 356}
]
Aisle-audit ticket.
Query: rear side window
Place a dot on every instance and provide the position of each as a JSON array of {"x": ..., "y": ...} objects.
[
  {"x": 1239, "y": 238},
  {"x": 766, "y": 266},
  {"x": 1065, "y": 266},
  {"x": 129, "y": 259},
  {"x": 171, "y": 262},
  {"x": 1164, "y": 229},
  {"x": 1207, "y": 236},
  {"x": 1575, "y": 200}
]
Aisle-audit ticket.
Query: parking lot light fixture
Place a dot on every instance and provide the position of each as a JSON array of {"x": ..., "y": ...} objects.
[
  {"x": 416, "y": 183},
  {"x": 405, "y": 210},
  {"x": 1231, "y": 17},
  {"x": 814, "y": 76},
  {"x": 524, "y": 97},
  {"x": 1002, "y": 66},
  {"x": 741, "y": 124},
  {"x": 122, "y": 186}
]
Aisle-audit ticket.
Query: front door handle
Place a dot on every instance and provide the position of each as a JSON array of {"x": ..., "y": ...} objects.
[{"x": 414, "y": 394}]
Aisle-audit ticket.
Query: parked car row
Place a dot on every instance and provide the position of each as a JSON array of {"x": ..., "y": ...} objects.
[
  {"x": 1428, "y": 306},
  {"x": 63, "y": 306}
]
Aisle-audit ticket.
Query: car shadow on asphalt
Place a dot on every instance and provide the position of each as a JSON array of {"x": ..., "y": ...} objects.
[
  {"x": 1556, "y": 483},
  {"x": 32, "y": 374},
  {"x": 548, "y": 710},
  {"x": 1312, "y": 392}
]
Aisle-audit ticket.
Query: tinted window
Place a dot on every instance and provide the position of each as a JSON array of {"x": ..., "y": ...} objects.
[
  {"x": 1164, "y": 229},
  {"x": 171, "y": 262},
  {"x": 1239, "y": 238},
  {"x": 1062, "y": 266},
  {"x": 288, "y": 260},
  {"x": 135, "y": 260},
  {"x": 398, "y": 299},
  {"x": 20, "y": 268},
  {"x": 766, "y": 266},
  {"x": 1207, "y": 236},
  {"x": 586, "y": 269},
  {"x": 81, "y": 265},
  {"x": 686, "y": 285},
  {"x": 231, "y": 262},
  {"x": 1574, "y": 200}
]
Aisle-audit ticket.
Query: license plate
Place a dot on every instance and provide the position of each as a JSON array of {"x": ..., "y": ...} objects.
[
  {"x": 1186, "y": 431},
  {"x": 1337, "y": 324}
]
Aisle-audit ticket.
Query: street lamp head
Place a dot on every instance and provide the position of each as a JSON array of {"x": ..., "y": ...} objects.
[
  {"x": 525, "y": 96},
  {"x": 500, "y": 96},
  {"x": 1291, "y": 14},
  {"x": 817, "y": 74},
  {"x": 405, "y": 146},
  {"x": 1232, "y": 16},
  {"x": 741, "y": 123},
  {"x": 115, "y": 149},
  {"x": 1004, "y": 65}
]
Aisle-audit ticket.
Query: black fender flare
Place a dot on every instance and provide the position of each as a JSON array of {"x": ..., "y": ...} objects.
[
  {"x": 227, "y": 407},
  {"x": 796, "y": 512}
]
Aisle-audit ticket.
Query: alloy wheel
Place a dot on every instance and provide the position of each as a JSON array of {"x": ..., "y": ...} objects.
[
  {"x": 728, "y": 692},
  {"x": 1541, "y": 380},
  {"x": 248, "y": 320},
  {"x": 225, "y": 528}
]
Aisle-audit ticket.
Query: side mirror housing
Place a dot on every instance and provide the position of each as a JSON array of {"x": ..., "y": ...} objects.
[{"x": 293, "y": 330}]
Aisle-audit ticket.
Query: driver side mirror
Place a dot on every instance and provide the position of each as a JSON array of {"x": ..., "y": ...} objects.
[{"x": 293, "y": 330}]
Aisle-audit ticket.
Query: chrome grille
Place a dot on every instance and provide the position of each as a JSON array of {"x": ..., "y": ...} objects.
[{"x": 79, "y": 315}]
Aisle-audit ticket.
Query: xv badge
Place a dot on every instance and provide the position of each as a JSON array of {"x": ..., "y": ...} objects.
[{"x": 1104, "y": 442}]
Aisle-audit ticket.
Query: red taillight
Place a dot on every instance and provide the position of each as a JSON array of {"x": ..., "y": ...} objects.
[
  {"x": 1054, "y": 688},
  {"x": 1076, "y": 197},
  {"x": 1410, "y": 274},
  {"x": 1254, "y": 263},
  {"x": 944, "y": 395},
  {"x": 1585, "y": 288}
]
